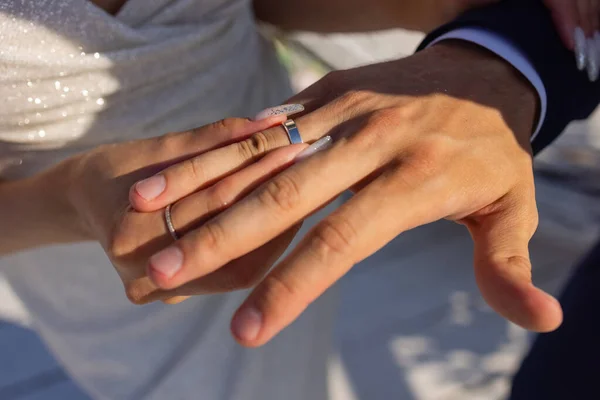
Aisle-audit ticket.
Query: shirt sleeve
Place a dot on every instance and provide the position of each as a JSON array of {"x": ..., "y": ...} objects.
[
  {"x": 527, "y": 26},
  {"x": 504, "y": 49}
]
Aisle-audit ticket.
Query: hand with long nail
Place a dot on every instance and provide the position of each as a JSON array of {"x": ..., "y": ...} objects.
[
  {"x": 578, "y": 23},
  {"x": 417, "y": 140},
  {"x": 206, "y": 170}
]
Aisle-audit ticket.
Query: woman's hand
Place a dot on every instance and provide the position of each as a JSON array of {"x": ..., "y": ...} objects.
[
  {"x": 428, "y": 137},
  {"x": 578, "y": 22},
  {"x": 100, "y": 186}
]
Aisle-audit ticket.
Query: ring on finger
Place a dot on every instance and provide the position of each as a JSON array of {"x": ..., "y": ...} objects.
[
  {"x": 169, "y": 223},
  {"x": 292, "y": 131}
]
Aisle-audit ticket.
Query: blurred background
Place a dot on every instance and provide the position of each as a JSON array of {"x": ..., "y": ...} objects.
[{"x": 411, "y": 323}]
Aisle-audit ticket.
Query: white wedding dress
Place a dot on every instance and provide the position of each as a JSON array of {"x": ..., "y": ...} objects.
[{"x": 73, "y": 77}]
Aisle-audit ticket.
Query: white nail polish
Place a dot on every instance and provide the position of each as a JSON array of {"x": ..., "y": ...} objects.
[
  {"x": 592, "y": 60},
  {"x": 320, "y": 145},
  {"x": 285, "y": 109},
  {"x": 580, "y": 48}
]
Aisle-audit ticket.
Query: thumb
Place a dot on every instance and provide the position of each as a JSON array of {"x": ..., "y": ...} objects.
[{"x": 503, "y": 267}]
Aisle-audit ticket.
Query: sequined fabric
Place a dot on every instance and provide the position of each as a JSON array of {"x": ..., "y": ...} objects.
[{"x": 73, "y": 76}]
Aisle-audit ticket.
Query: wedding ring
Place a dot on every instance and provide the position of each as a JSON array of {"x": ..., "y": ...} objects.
[
  {"x": 292, "y": 132},
  {"x": 169, "y": 223}
]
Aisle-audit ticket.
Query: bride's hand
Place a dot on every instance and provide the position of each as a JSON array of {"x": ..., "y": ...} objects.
[
  {"x": 428, "y": 137},
  {"x": 578, "y": 23},
  {"x": 99, "y": 192}
]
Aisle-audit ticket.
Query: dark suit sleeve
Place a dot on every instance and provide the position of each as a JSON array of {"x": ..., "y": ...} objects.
[{"x": 527, "y": 24}]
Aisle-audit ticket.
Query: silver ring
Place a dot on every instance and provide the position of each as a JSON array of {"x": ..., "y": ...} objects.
[
  {"x": 169, "y": 223},
  {"x": 292, "y": 132}
]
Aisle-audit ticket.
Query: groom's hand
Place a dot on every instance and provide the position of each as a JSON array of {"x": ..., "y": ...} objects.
[
  {"x": 441, "y": 134},
  {"x": 99, "y": 188}
]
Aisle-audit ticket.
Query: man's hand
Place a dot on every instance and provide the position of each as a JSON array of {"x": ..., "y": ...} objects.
[
  {"x": 441, "y": 134},
  {"x": 99, "y": 191}
]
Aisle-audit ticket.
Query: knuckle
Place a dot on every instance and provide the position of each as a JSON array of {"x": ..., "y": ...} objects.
[
  {"x": 392, "y": 117},
  {"x": 434, "y": 148},
  {"x": 171, "y": 142},
  {"x": 135, "y": 293},
  {"x": 219, "y": 196},
  {"x": 213, "y": 236},
  {"x": 281, "y": 193},
  {"x": 277, "y": 290},
  {"x": 379, "y": 129},
  {"x": 354, "y": 98},
  {"x": 195, "y": 169},
  {"x": 519, "y": 265},
  {"x": 225, "y": 128},
  {"x": 332, "y": 239},
  {"x": 226, "y": 124},
  {"x": 430, "y": 156},
  {"x": 257, "y": 144}
]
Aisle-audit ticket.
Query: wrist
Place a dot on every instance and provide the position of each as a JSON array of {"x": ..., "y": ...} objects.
[
  {"x": 486, "y": 78},
  {"x": 54, "y": 188},
  {"x": 36, "y": 212}
]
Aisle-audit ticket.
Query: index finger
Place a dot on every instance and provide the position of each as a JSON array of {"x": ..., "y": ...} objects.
[
  {"x": 198, "y": 172},
  {"x": 268, "y": 211}
]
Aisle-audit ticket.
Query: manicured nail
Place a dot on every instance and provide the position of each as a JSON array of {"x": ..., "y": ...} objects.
[
  {"x": 286, "y": 109},
  {"x": 246, "y": 324},
  {"x": 168, "y": 261},
  {"x": 580, "y": 48},
  {"x": 320, "y": 145},
  {"x": 592, "y": 60},
  {"x": 152, "y": 187}
]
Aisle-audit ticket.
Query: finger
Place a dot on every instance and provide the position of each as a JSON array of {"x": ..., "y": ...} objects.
[
  {"x": 193, "y": 210},
  {"x": 197, "y": 208},
  {"x": 274, "y": 207},
  {"x": 387, "y": 207},
  {"x": 503, "y": 267},
  {"x": 193, "y": 174},
  {"x": 240, "y": 274},
  {"x": 192, "y": 143},
  {"x": 196, "y": 173}
]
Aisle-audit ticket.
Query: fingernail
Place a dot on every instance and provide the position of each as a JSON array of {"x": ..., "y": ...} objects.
[
  {"x": 320, "y": 145},
  {"x": 286, "y": 109},
  {"x": 152, "y": 187},
  {"x": 246, "y": 324},
  {"x": 168, "y": 261},
  {"x": 580, "y": 48},
  {"x": 592, "y": 63}
]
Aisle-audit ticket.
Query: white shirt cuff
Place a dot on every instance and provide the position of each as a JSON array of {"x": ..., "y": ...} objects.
[{"x": 503, "y": 48}]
